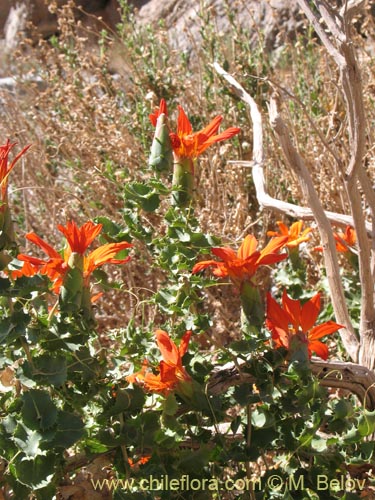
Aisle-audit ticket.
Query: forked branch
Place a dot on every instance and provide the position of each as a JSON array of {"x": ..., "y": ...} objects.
[{"x": 315, "y": 211}]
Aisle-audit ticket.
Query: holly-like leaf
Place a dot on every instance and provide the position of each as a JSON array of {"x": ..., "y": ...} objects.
[
  {"x": 47, "y": 368},
  {"x": 34, "y": 472},
  {"x": 70, "y": 428},
  {"x": 28, "y": 441},
  {"x": 38, "y": 411}
]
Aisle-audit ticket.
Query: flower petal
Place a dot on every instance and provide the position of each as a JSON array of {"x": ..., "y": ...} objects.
[
  {"x": 310, "y": 312},
  {"x": 105, "y": 255},
  {"x": 318, "y": 348},
  {"x": 224, "y": 253},
  {"x": 248, "y": 247},
  {"x": 223, "y": 136},
  {"x": 184, "y": 344},
  {"x": 168, "y": 348},
  {"x": 51, "y": 252},
  {"x": 203, "y": 265},
  {"x": 183, "y": 124},
  {"x": 326, "y": 328},
  {"x": 79, "y": 239}
]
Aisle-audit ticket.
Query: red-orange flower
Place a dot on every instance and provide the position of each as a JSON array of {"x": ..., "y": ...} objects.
[
  {"x": 242, "y": 266},
  {"x": 161, "y": 110},
  {"x": 171, "y": 371},
  {"x": 78, "y": 240},
  {"x": 295, "y": 234},
  {"x": 345, "y": 242},
  {"x": 292, "y": 321},
  {"x": 189, "y": 144},
  {"x": 141, "y": 461},
  {"x": 6, "y": 168}
]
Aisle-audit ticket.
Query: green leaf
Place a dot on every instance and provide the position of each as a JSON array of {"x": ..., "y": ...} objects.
[
  {"x": 34, "y": 472},
  {"x": 170, "y": 404},
  {"x": 262, "y": 418},
  {"x": 112, "y": 232},
  {"x": 366, "y": 423},
  {"x": 28, "y": 441},
  {"x": 38, "y": 411},
  {"x": 70, "y": 428},
  {"x": 319, "y": 444},
  {"x": 47, "y": 369},
  {"x": 194, "y": 461},
  {"x": 343, "y": 409},
  {"x": 145, "y": 196}
]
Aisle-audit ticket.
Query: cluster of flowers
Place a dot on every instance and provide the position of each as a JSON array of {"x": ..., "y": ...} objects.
[{"x": 291, "y": 323}]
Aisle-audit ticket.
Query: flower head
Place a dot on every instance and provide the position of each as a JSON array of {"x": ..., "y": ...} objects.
[
  {"x": 295, "y": 234},
  {"x": 78, "y": 240},
  {"x": 242, "y": 266},
  {"x": 345, "y": 242},
  {"x": 6, "y": 168},
  {"x": 141, "y": 461},
  {"x": 292, "y": 322},
  {"x": 189, "y": 144},
  {"x": 171, "y": 371}
]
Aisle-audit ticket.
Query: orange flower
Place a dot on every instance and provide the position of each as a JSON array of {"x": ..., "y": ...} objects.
[
  {"x": 78, "y": 240},
  {"x": 141, "y": 461},
  {"x": 242, "y": 266},
  {"x": 161, "y": 110},
  {"x": 187, "y": 144},
  {"x": 6, "y": 168},
  {"x": 345, "y": 242},
  {"x": 292, "y": 323},
  {"x": 295, "y": 237},
  {"x": 171, "y": 371}
]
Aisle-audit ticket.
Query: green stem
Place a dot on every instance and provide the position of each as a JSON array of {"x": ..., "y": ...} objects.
[
  {"x": 183, "y": 182},
  {"x": 252, "y": 314}
]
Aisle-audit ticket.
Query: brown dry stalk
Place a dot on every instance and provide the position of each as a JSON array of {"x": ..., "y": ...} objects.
[{"x": 316, "y": 211}]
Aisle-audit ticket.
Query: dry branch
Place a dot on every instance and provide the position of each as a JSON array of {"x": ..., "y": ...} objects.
[
  {"x": 338, "y": 43},
  {"x": 296, "y": 163},
  {"x": 264, "y": 199},
  {"x": 350, "y": 377}
]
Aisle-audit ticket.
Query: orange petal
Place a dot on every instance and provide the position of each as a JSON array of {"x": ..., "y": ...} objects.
[
  {"x": 224, "y": 253},
  {"x": 184, "y": 344},
  {"x": 168, "y": 348},
  {"x": 203, "y": 265},
  {"x": 223, "y": 136},
  {"x": 326, "y": 328},
  {"x": 248, "y": 247},
  {"x": 105, "y": 255},
  {"x": 318, "y": 348},
  {"x": 293, "y": 308},
  {"x": 183, "y": 124},
  {"x": 51, "y": 252},
  {"x": 212, "y": 127},
  {"x": 310, "y": 312},
  {"x": 79, "y": 239}
]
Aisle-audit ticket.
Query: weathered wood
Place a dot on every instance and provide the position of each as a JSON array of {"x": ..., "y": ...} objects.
[{"x": 350, "y": 377}]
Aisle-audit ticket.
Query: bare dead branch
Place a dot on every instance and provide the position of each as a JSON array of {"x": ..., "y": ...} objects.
[
  {"x": 342, "y": 50},
  {"x": 297, "y": 164},
  {"x": 351, "y": 377},
  {"x": 265, "y": 200}
]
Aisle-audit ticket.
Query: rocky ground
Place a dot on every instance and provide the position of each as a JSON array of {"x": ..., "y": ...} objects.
[{"x": 271, "y": 17}]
